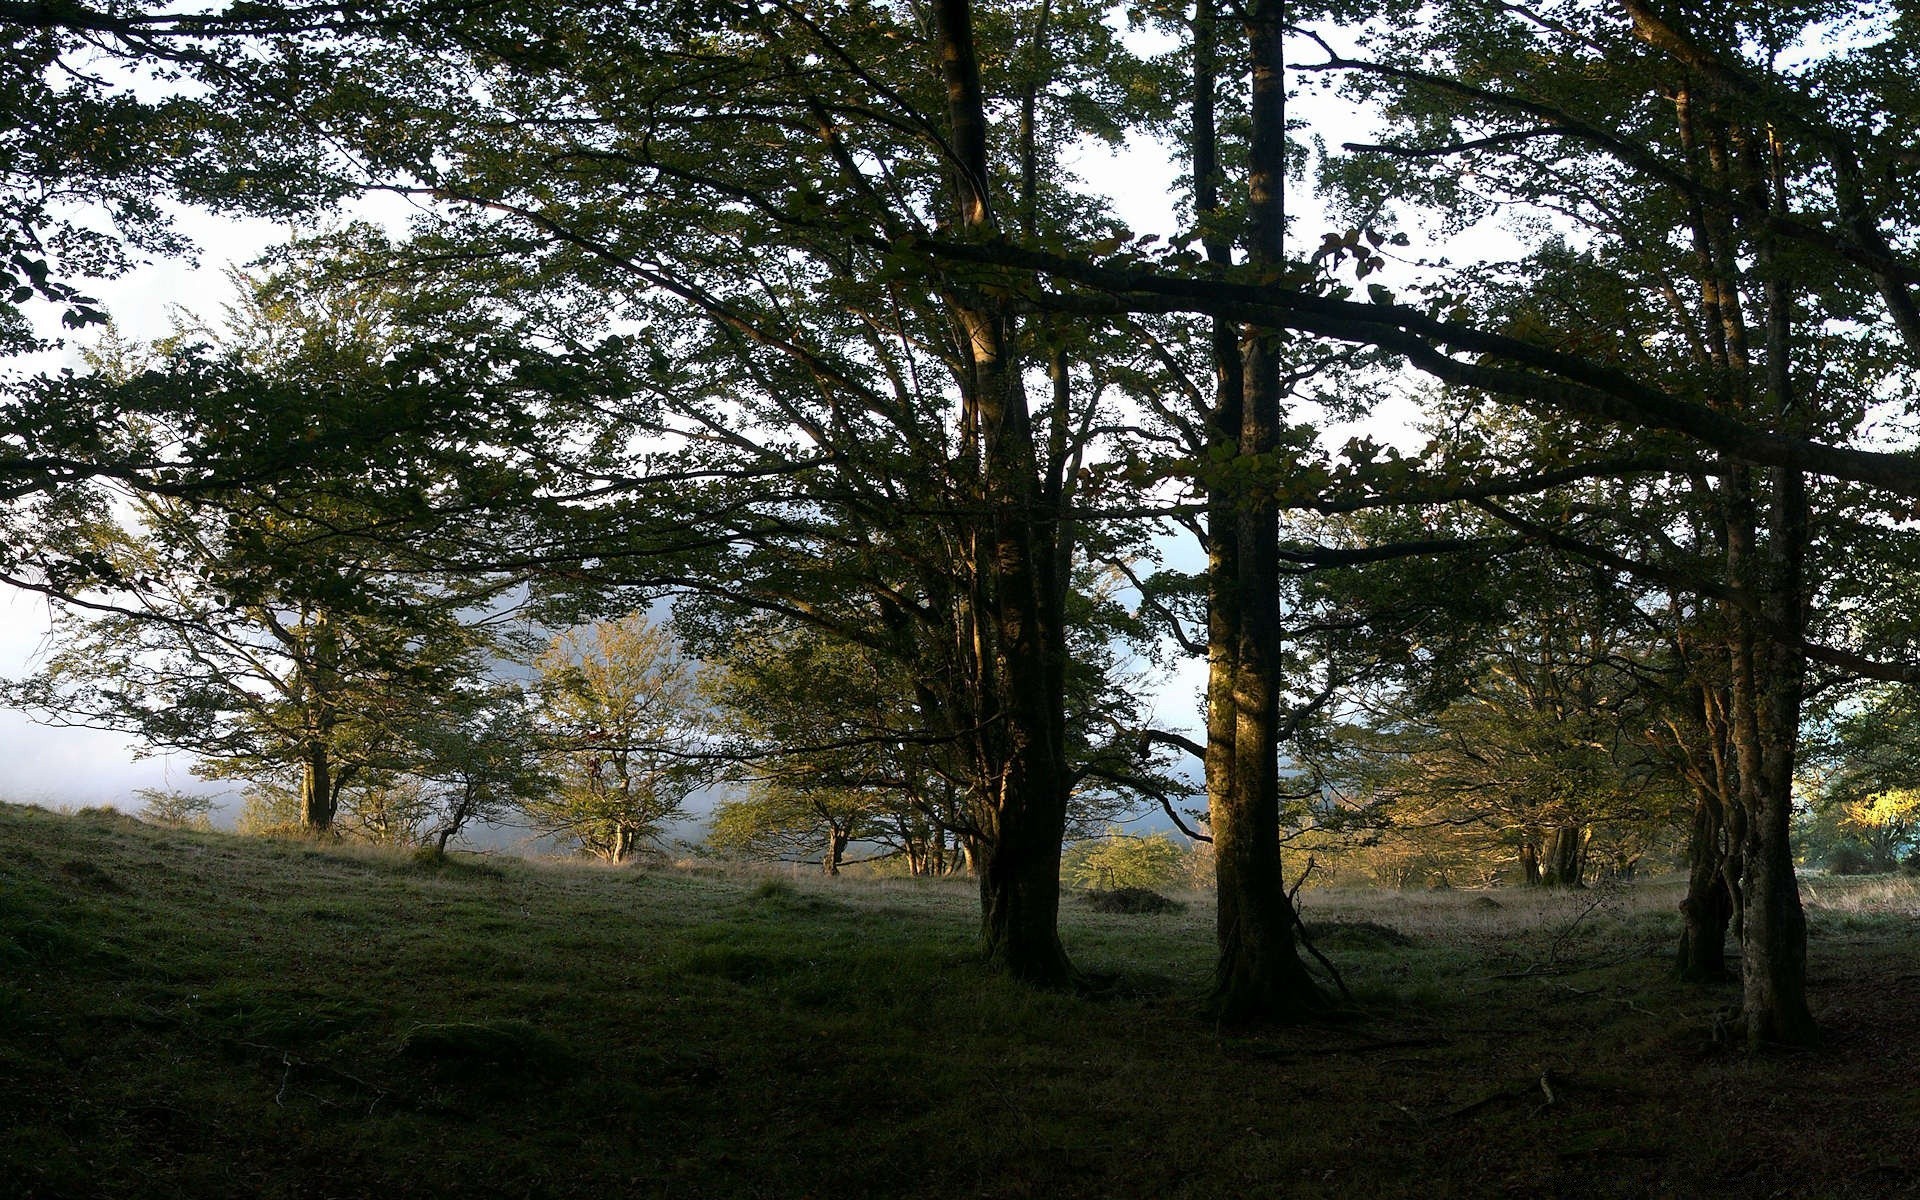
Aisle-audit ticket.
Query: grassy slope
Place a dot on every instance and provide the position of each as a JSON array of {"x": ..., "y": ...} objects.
[{"x": 198, "y": 1015}]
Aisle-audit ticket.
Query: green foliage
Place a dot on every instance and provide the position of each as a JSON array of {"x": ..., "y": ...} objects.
[
  {"x": 175, "y": 808},
  {"x": 1518, "y": 741},
  {"x": 831, "y": 752},
  {"x": 1126, "y": 861},
  {"x": 293, "y": 625},
  {"x": 624, "y": 733}
]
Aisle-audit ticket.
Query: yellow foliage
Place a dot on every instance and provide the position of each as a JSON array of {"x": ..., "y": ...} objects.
[{"x": 1895, "y": 809}]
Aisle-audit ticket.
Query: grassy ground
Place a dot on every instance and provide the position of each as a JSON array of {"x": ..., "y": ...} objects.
[{"x": 198, "y": 1015}]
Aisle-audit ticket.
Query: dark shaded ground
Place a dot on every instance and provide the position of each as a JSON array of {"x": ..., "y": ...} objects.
[{"x": 199, "y": 1015}]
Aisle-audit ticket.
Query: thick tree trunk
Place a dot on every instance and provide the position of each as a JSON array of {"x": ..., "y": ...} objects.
[
  {"x": 836, "y": 850},
  {"x": 1708, "y": 907},
  {"x": 319, "y": 793},
  {"x": 1020, "y": 907},
  {"x": 1259, "y": 976},
  {"x": 1018, "y": 624},
  {"x": 1564, "y": 864}
]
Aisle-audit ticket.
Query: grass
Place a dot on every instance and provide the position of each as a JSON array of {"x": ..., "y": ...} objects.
[{"x": 193, "y": 1014}]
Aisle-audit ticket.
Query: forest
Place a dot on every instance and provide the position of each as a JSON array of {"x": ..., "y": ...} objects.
[{"x": 1497, "y": 481}]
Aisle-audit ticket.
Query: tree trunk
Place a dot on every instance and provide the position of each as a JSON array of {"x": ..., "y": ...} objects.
[
  {"x": 1708, "y": 907},
  {"x": 1259, "y": 976},
  {"x": 1020, "y": 909},
  {"x": 1018, "y": 628},
  {"x": 1773, "y": 958},
  {"x": 1774, "y": 937},
  {"x": 1530, "y": 862},
  {"x": 319, "y": 794},
  {"x": 836, "y": 850},
  {"x": 1565, "y": 862}
]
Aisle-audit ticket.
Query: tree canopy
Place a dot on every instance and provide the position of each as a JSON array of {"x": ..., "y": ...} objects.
[{"x": 808, "y": 320}]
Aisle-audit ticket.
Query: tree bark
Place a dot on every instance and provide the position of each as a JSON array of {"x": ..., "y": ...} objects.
[
  {"x": 1708, "y": 907},
  {"x": 319, "y": 793},
  {"x": 1530, "y": 862},
  {"x": 1018, "y": 626},
  {"x": 1564, "y": 865},
  {"x": 1259, "y": 976}
]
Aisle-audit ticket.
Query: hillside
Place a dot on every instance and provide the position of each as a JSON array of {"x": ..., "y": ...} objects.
[{"x": 199, "y": 1015}]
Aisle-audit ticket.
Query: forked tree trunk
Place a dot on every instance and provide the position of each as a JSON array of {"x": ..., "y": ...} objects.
[
  {"x": 1708, "y": 907},
  {"x": 621, "y": 844}
]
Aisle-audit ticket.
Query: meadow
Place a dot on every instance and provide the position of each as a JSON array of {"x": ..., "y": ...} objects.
[{"x": 197, "y": 1014}]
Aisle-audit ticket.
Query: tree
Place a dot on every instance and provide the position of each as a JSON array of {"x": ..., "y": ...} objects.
[
  {"x": 1725, "y": 213},
  {"x": 877, "y": 397},
  {"x": 1887, "y": 822},
  {"x": 625, "y": 733},
  {"x": 1123, "y": 860},
  {"x": 477, "y": 755},
  {"x": 283, "y": 626},
  {"x": 824, "y": 737},
  {"x": 174, "y": 808},
  {"x": 870, "y": 188},
  {"x": 1542, "y": 753}
]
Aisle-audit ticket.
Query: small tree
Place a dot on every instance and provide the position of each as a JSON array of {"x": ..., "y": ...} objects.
[
  {"x": 479, "y": 759},
  {"x": 625, "y": 735},
  {"x": 826, "y": 738},
  {"x": 174, "y": 808},
  {"x": 1123, "y": 860},
  {"x": 388, "y": 810},
  {"x": 1887, "y": 823},
  {"x": 786, "y": 824}
]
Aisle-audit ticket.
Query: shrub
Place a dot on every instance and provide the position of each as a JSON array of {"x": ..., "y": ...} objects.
[
  {"x": 171, "y": 807},
  {"x": 268, "y": 810},
  {"x": 1847, "y": 859},
  {"x": 1132, "y": 900},
  {"x": 1121, "y": 861}
]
